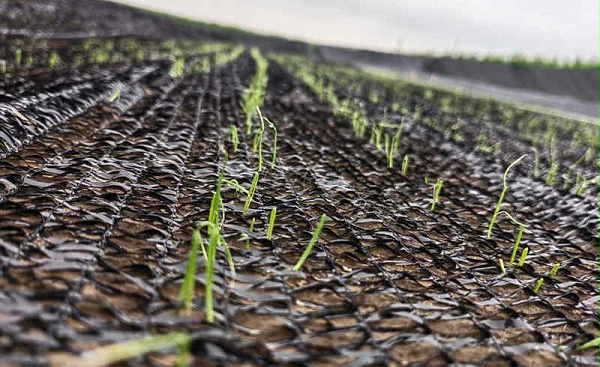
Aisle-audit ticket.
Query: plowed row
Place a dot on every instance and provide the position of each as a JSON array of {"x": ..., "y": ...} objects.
[{"x": 98, "y": 200}]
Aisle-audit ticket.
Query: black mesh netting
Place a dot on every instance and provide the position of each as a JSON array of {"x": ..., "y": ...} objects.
[{"x": 98, "y": 201}]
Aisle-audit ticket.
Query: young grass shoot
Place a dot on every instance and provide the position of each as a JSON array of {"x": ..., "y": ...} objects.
[
  {"x": 177, "y": 68},
  {"x": 251, "y": 192},
  {"x": 502, "y": 194},
  {"x": 186, "y": 292},
  {"x": 254, "y": 94},
  {"x": 437, "y": 188},
  {"x": 115, "y": 96},
  {"x": 523, "y": 257},
  {"x": 311, "y": 244},
  {"x": 123, "y": 351},
  {"x": 235, "y": 141},
  {"x": 538, "y": 285},
  {"x": 271, "y": 223},
  {"x": 405, "y": 164}
]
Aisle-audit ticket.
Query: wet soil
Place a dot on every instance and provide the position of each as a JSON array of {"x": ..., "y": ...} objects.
[{"x": 98, "y": 201}]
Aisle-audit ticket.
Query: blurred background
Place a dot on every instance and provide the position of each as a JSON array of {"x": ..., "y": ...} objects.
[{"x": 563, "y": 30}]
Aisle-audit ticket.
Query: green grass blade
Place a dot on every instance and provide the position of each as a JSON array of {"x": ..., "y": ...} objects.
[
  {"x": 274, "y": 154},
  {"x": 115, "y": 97},
  {"x": 538, "y": 285},
  {"x": 271, "y": 223},
  {"x": 235, "y": 140},
  {"x": 513, "y": 255},
  {"x": 210, "y": 266},
  {"x": 186, "y": 292},
  {"x": 436, "y": 193},
  {"x": 405, "y": 164},
  {"x": 251, "y": 192},
  {"x": 554, "y": 270},
  {"x": 311, "y": 244},
  {"x": 591, "y": 344},
  {"x": 501, "y": 263},
  {"x": 177, "y": 68},
  {"x": 183, "y": 353},
  {"x": 502, "y": 194},
  {"x": 523, "y": 257},
  {"x": 123, "y": 351}
]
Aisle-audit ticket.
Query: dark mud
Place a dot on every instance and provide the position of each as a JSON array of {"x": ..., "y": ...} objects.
[{"x": 98, "y": 201}]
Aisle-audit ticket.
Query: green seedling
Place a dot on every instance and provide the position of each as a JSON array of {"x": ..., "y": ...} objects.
[
  {"x": 578, "y": 184},
  {"x": 233, "y": 133},
  {"x": 177, "y": 68},
  {"x": 18, "y": 56},
  {"x": 311, "y": 244},
  {"x": 215, "y": 239},
  {"x": 538, "y": 285},
  {"x": 123, "y": 351},
  {"x": 213, "y": 242},
  {"x": 274, "y": 154},
  {"x": 259, "y": 139},
  {"x": 436, "y": 193},
  {"x": 53, "y": 60},
  {"x": 551, "y": 275},
  {"x": 591, "y": 344},
  {"x": 255, "y": 141},
  {"x": 502, "y": 194},
  {"x": 271, "y": 223},
  {"x": 183, "y": 354},
  {"x": 513, "y": 255},
  {"x": 554, "y": 271},
  {"x": 501, "y": 263},
  {"x": 187, "y": 288},
  {"x": 519, "y": 236},
  {"x": 251, "y": 192},
  {"x": 378, "y": 134},
  {"x": 585, "y": 158},
  {"x": 233, "y": 183},
  {"x": 523, "y": 257},
  {"x": 216, "y": 202},
  {"x": 254, "y": 94},
  {"x": 393, "y": 147},
  {"x": 405, "y": 164},
  {"x": 553, "y": 171},
  {"x": 390, "y": 158},
  {"x": 115, "y": 96}
]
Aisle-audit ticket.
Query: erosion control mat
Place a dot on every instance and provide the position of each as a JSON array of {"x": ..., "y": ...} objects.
[{"x": 110, "y": 155}]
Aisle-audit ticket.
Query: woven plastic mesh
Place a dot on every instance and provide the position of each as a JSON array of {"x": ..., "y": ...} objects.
[{"x": 98, "y": 200}]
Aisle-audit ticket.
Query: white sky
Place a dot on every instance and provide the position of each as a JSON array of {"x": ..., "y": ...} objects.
[{"x": 549, "y": 28}]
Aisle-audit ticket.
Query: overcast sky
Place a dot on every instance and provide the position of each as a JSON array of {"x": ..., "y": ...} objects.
[{"x": 549, "y": 28}]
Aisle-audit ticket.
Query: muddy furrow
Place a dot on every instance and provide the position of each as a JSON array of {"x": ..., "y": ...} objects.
[
  {"x": 48, "y": 150},
  {"x": 74, "y": 215},
  {"x": 27, "y": 118},
  {"x": 348, "y": 216}
]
